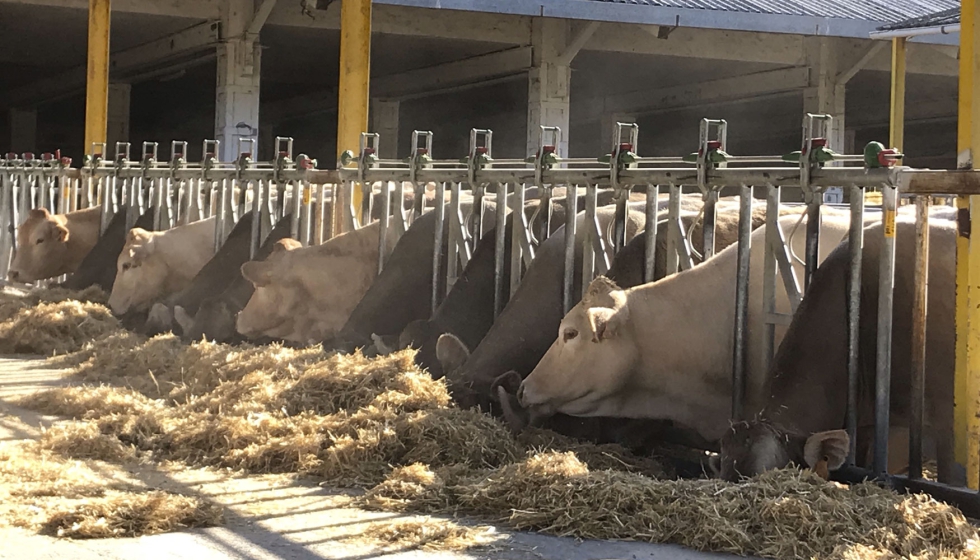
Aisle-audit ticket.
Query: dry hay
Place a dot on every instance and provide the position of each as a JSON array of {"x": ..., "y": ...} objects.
[
  {"x": 384, "y": 424},
  {"x": 426, "y": 534},
  {"x": 780, "y": 514},
  {"x": 55, "y": 328},
  {"x": 71, "y": 498}
]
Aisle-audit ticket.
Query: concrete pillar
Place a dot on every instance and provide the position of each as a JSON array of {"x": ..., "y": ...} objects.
[
  {"x": 237, "y": 94},
  {"x": 608, "y": 129},
  {"x": 548, "y": 82},
  {"x": 824, "y": 95},
  {"x": 23, "y": 130},
  {"x": 117, "y": 122},
  {"x": 384, "y": 121}
]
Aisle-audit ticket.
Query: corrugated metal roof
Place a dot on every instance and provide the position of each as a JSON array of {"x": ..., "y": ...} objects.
[
  {"x": 885, "y": 11},
  {"x": 945, "y": 17}
]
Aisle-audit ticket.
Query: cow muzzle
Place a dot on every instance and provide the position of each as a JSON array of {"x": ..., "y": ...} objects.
[{"x": 532, "y": 402}]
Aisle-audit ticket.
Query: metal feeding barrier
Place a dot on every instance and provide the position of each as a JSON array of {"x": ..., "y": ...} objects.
[
  {"x": 177, "y": 191},
  {"x": 710, "y": 170}
]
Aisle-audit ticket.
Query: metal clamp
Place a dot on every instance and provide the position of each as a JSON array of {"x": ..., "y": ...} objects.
[
  {"x": 623, "y": 154},
  {"x": 547, "y": 155},
  {"x": 421, "y": 153},
  {"x": 209, "y": 157},
  {"x": 815, "y": 152},
  {"x": 480, "y": 154},
  {"x": 284, "y": 157},
  {"x": 368, "y": 153}
]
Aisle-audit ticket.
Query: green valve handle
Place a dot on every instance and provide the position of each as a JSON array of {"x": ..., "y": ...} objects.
[
  {"x": 793, "y": 157},
  {"x": 346, "y": 157}
]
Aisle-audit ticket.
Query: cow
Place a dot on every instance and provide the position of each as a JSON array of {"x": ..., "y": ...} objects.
[
  {"x": 306, "y": 294},
  {"x": 664, "y": 350},
  {"x": 215, "y": 317},
  {"x": 803, "y": 417},
  {"x": 49, "y": 245},
  {"x": 99, "y": 266},
  {"x": 154, "y": 265},
  {"x": 468, "y": 310},
  {"x": 403, "y": 291},
  {"x": 210, "y": 281}
]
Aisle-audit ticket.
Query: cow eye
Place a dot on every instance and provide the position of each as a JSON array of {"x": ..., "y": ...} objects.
[
  {"x": 127, "y": 266},
  {"x": 39, "y": 241},
  {"x": 570, "y": 334}
]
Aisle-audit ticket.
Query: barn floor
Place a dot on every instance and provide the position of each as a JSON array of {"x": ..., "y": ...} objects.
[{"x": 266, "y": 517}]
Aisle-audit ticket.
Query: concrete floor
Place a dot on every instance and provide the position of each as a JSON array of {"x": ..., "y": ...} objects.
[{"x": 267, "y": 517}]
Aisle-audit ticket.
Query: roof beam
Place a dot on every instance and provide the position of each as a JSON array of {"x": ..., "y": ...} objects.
[
  {"x": 260, "y": 17},
  {"x": 452, "y": 76},
  {"x": 868, "y": 55},
  {"x": 196, "y": 9},
  {"x": 124, "y": 64},
  {"x": 690, "y": 95},
  {"x": 575, "y": 45}
]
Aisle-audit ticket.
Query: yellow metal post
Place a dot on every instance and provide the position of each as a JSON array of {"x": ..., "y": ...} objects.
[
  {"x": 97, "y": 84},
  {"x": 896, "y": 133},
  {"x": 967, "y": 382},
  {"x": 355, "y": 72}
]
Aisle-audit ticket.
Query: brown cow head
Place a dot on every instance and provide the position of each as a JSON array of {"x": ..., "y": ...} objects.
[
  {"x": 42, "y": 247},
  {"x": 214, "y": 320},
  {"x": 140, "y": 273},
  {"x": 751, "y": 448},
  {"x": 589, "y": 362},
  {"x": 278, "y": 300}
]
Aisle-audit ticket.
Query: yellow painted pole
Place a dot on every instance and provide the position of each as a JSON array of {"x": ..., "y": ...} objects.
[
  {"x": 355, "y": 73},
  {"x": 896, "y": 131},
  {"x": 961, "y": 418},
  {"x": 97, "y": 81}
]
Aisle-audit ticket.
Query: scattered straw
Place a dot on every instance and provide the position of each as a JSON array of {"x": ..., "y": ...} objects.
[
  {"x": 427, "y": 534},
  {"x": 55, "y": 328},
  {"x": 131, "y": 515}
]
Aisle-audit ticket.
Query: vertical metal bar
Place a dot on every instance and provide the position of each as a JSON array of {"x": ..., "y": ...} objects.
[
  {"x": 856, "y": 246},
  {"x": 769, "y": 274},
  {"x": 886, "y": 285},
  {"x": 456, "y": 236},
  {"x": 383, "y": 226},
  {"x": 652, "y": 218},
  {"x": 7, "y": 223},
  {"x": 499, "y": 250},
  {"x": 219, "y": 221},
  {"x": 255, "y": 239},
  {"x": 440, "y": 210},
  {"x": 674, "y": 216},
  {"x": 708, "y": 224},
  {"x": 588, "y": 252},
  {"x": 107, "y": 212},
  {"x": 619, "y": 223},
  {"x": 571, "y": 216},
  {"x": 919, "y": 310},
  {"x": 516, "y": 249},
  {"x": 812, "y": 240},
  {"x": 739, "y": 360},
  {"x": 297, "y": 208}
]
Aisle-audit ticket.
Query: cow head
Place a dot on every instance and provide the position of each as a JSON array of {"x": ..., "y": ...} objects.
[
  {"x": 42, "y": 248},
  {"x": 589, "y": 362},
  {"x": 141, "y": 274},
  {"x": 214, "y": 320},
  {"x": 278, "y": 300},
  {"x": 751, "y": 448}
]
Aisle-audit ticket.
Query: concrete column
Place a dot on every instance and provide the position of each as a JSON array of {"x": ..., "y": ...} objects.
[
  {"x": 384, "y": 121},
  {"x": 117, "y": 123},
  {"x": 237, "y": 94},
  {"x": 824, "y": 95},
  {"x": 608, "y": 129},
  {"x": 23, "y": 130},
  {"x": 548, "y": 83}
]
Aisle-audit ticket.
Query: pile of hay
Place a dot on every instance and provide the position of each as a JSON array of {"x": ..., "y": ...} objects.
[
  {"x": 387, "y": 426},
  {"x": 780, "y": 514},
  {"x": 53, "y": 321},
  {"x": 42, "y": 490},
  {"x": 426, "y": 534}
]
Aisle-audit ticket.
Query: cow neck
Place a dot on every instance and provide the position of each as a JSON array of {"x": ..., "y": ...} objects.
[
  {"x": 183, "y": 251},
  {"x": 690, "y": 380},
  {"x": 83, "y": 233},
  {"x": 808, "y": 376}
]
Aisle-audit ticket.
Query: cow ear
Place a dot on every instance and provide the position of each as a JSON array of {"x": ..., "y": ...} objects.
[
  {"x": 451, "y": 352},
  {"x": 137, "y": 235},
  {"x": 605, "y": 323},
  {"x": 714, "y": 465},
  {"x": 258, "y": 273},
  {"x": 59, "y": 233},
  {"x": 510, "y": 382},
  {"x": 829, "y": 448},
  {"x": 287, "y": 244},
  {"x": 183, "y": 318},
  {"x": 413, "y": 335},
  {"x": 598, "y": 291},
  {"x": 40, "y": 213}
]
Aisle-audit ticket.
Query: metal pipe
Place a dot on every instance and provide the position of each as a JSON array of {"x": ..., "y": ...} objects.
[
  {"x": 499, "y": 250},
  {"x": 919, "y": 310},
  {"x": 739, "y": 360},
  {"x": 619, "y": 223},
  {"x": 440, "y": 210},
  {"x": 383, "y": 227},
  {"x": 571, "y": 216},
  {"x": 886, "y": 285},
  {"x": 916, "y": 32},
  {"x": 588, "y": 248},
  {"x": 856, "y": 246},
  {"x": 812, "y": 256},
  {"x": 255, "y": 238},
  {"x": 769, "y": 274},
  {"x": 518, "y": 231},
  {"x": 708, "y": 224},
  {"x": 297, "y": 207},
  {"x": 650, "y": 231}
]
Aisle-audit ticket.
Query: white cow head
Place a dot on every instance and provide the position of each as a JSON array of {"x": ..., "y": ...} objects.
[
  {"x": 589, "y": 362},
  {"x": 141, "y": 274},
  {"x": 277, "y": 302},
  {"x": 42, "y": 247}
]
